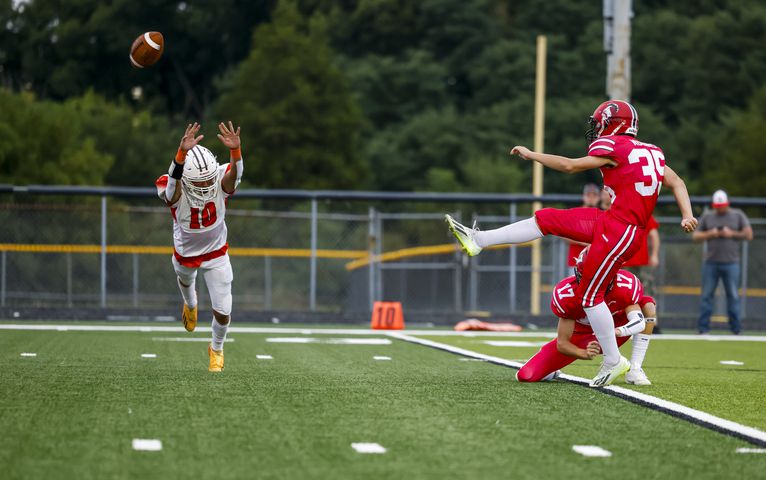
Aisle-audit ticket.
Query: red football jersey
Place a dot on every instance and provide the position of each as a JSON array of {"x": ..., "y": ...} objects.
[
  {"x": 634, "y": 183},
  {"x": 627, "y": 290}
]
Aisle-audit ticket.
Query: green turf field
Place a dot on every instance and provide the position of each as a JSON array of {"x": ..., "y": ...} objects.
[{"x": 73, "y": 410}]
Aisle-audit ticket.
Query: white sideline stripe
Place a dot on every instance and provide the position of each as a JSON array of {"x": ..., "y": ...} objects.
[
  {"x": 332, "y": 341},
  {"x": 368, "y": 448},
  {"x": 353, "y": 331},
  {"x": 751, "y": 450},
  {"x": 381, "y": 357},
  {"x": 151, "y": 42},
  {"x": 731, "y": 362},
  {"x": 147, "y": 445},
  {"x": 186, "y": 339},
  {"x": 28, "y": 354},
  {"x": 148, "y": 355},
  {"x": 264, "y": 357},
  {"x": 717, "y": 423},
  {"x": 591, "y": 451},
  {"x": 513, "y": 343}
]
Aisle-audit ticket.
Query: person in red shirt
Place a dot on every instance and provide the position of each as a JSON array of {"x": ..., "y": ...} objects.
[{"x": 633, "y": 173}]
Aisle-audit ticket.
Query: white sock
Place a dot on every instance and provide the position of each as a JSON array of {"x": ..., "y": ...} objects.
[
  {"x": 519, "y": 232},
  {"x": 601, "y": 322},
  {"x": 640, "y": 344},
  {"x": 219, "y": 335},
  {"x": 189, "y": 293}
]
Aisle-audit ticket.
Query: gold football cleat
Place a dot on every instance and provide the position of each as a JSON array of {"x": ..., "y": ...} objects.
[
  {"x": 189, "y": 317},
  {"x": 216, "y": 359}
]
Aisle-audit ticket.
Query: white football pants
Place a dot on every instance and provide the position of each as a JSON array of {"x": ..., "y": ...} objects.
[{"x": 218, "y": 278}]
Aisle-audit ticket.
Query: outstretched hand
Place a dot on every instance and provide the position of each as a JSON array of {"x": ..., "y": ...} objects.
[
  {"x": 689, "y": 224},
  {"x": 188, "y": 141},
  {"x": 228, "y": 136},
  {"x": 521, "y": 151}
]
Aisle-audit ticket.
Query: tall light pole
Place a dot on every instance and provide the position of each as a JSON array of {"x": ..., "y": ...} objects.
[{"x": 617, "y": 18}]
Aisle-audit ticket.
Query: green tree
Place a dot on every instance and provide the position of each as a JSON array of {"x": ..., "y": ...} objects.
[
  {"x": 300, "y": 124},
  {"x": 42, "y": 142}
]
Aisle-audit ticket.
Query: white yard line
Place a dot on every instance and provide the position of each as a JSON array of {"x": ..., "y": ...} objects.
[
  {"x": 331, "y": 341},
  {"x": 28, "y": 354},
  {"x": 264, "y": 357},
  {"x": 148, "y": 355},
  {"x": 368, "y": 448},
  {"x": 698, "y": 417},
  {"x": 381, "y": 357},
  {"x": 348, "y": 331},
  {"x": 591, "y": 451},
  {"x": 147, "y": 445},
  {"x": 186, "y": 339}
]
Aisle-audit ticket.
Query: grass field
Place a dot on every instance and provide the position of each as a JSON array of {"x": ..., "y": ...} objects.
[{"x": 73, "y": 410}]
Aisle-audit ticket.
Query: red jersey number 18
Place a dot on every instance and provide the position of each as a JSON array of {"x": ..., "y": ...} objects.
[{"x": 653, "y": 168}]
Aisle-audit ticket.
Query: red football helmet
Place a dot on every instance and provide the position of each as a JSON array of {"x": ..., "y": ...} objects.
[
  {"x": 579, "y": 262},
  {"x": 613, "y": 117}
]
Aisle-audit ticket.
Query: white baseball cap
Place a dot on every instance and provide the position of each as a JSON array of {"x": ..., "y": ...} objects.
[{"x": 720, "y": 199}]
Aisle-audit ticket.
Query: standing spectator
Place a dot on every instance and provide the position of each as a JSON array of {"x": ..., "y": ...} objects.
[
  {"x": 722, "y": 229},
  {"x": 590, "y": 198}
]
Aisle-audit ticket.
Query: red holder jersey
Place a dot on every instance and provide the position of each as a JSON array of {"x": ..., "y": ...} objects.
[
  {"x": 634, "y": 182},
  {"x": 626, "y": 290}
]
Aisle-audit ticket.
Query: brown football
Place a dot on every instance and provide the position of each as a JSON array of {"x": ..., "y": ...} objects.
[{"x": 147, "y": 49}]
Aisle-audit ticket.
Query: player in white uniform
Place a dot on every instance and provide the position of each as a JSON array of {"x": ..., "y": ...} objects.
[{"x": 196, "y": 189}]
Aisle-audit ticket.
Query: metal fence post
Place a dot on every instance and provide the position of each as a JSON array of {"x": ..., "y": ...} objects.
[
  {"x": 512, "y": 271},
  {"x": 103, "y": 251},
  {"x": 69, "y": 279},
  {"x": 745, "y": 251},
  {"x": 371, "y": 256},
  {"x": 313, "y": 273},
  {"x": 267, "y": 281},
  {"x": 2, "y": 279},
  {"x": 378, "y": 253},
  {"x": 135, "y": 280}
]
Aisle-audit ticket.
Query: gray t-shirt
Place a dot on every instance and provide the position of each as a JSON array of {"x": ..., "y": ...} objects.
[{"x": 723, "y": 250}]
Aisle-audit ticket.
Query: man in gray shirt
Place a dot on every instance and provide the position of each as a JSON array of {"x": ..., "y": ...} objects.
[{"x": 722, "y": 229}]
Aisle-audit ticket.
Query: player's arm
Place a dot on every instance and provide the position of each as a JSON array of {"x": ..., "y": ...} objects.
[
  {"x": 230, "y": 138},
  {"x": 677, "y": 184},
  {"x": 636, "y": 322},
  {"x": 564, "y": 344},
  {"x": 563, "y": 164},
  {"x": 654, "y": 247},
  {"x": 188, "y": 141}
]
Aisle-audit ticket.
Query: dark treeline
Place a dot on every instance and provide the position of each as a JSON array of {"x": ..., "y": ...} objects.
[{"x": 373, "y": 94}]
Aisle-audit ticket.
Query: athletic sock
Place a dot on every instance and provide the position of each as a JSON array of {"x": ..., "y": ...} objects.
[
  {"x": 601, "y": 322},
  {"x": 219, "y": 335},
  {"x": 189, "y": 293},
  {"x": 640, "y": 344},
  {"x": 519, "y": 232}
]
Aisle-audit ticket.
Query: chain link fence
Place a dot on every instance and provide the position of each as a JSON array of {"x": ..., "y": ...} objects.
[{"x": 312, "y": 253}]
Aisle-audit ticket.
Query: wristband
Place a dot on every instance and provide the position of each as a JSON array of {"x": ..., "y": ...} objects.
[
  {"x": 236, "y": 153},
  {"x": 180, "y": 156},
  {"x": 176, "y": 170}
]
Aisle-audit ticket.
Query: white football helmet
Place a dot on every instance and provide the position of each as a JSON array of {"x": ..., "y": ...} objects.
[{"x": 200, "y": 178}]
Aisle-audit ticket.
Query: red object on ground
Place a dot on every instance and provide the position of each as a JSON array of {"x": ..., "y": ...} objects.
[{"x": 474, "y": 324}]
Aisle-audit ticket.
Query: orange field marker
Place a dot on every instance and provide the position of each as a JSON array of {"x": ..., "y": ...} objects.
[{"x": 387, "y": 316}]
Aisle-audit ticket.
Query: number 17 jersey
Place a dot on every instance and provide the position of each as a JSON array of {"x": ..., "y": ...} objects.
[{"x": 635, "y": 181}]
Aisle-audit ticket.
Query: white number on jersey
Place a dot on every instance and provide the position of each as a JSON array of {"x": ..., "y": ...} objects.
[
  {"x": 652, "y": 169},
  {"x": 624, "y": 281},
  {"x": 566, "y": 291}
]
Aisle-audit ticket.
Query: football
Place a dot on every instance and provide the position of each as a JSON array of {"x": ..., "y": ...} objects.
[{"x": 147, "y": 49}]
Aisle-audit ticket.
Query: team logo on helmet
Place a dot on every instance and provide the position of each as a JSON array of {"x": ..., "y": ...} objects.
[{"x": 613, "y": 117}]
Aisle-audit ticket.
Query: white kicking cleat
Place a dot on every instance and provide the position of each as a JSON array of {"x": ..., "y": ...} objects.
[
  {"x": 464, "y": 235},
  {"x": 636, "y": 376},
  {"x": 608, "y": 373}
]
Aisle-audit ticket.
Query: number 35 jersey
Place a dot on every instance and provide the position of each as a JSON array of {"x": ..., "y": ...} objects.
[
  {"x": 197, "y": 229},
  {"x": 634, "y": 182}
]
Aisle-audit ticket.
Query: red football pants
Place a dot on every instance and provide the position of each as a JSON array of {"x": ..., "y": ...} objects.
[
  {"x": 612, "y": 242},
  {"x": 549, "y": 359}
]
